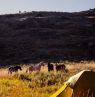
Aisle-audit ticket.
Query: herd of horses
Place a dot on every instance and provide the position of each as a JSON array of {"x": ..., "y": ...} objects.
[{"x": 37, "y": 67}]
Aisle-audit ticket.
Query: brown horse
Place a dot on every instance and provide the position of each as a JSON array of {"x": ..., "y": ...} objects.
[
  {"x": 14, "y": 69},
  {"x": 36, "y": 67},
  {"x": 61, "y": 67},
  {"x": 30, "y": 69}
]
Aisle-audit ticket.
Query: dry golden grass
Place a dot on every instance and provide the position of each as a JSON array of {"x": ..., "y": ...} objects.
[
  {"x": 38, "y": 84},
  {"x": 76, "y": 67}
]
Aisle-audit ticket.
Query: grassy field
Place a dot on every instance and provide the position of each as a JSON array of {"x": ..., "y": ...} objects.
[{"x": 38, "y": 84}]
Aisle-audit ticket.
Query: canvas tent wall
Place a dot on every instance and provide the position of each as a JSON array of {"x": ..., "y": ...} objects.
[
  {"x": 79, "y": 85},
  {"x": 85, "y": 85}
]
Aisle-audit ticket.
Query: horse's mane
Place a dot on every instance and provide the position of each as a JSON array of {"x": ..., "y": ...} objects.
[{"x": 39, "y": 64}]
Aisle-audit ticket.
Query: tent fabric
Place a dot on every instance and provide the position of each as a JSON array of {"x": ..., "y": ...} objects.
[
  {"x": 85, "y": 85},
  {"x": 72, "y": 80},
  {"x": 79, "y": 85}
]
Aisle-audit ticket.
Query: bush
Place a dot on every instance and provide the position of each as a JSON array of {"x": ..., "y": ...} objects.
[{"x": 22, "y": 77}]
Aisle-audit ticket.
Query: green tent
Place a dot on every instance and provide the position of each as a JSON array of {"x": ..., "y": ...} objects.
[{"x": 79, "y": 85}]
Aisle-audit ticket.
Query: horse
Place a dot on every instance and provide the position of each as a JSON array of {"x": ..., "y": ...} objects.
[
  {"x": 36, "y": 67},
  {"x": 30, "y": 69},
  {"x": 60, "y": 67},
  {"x": 50, "y": 67},
  {"x": 14, "y": 69}
]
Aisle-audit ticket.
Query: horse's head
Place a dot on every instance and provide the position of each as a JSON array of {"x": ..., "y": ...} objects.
[
  {"x": 20, "y": 68},
  {"x": 41, "y": 63}
]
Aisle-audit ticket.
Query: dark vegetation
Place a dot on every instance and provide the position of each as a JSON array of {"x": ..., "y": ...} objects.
[{"x": 36, "y": 36}]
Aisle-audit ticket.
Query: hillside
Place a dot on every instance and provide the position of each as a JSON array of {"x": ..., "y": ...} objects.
[{"x": 35, "y": 36}]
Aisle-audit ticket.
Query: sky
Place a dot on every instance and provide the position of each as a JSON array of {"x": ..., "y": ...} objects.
[{"x": 14, "y": 6}]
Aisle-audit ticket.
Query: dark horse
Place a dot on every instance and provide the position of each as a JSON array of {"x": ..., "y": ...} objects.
[
  {"x": 61, "y": 67},
  {"x": 14, "y": 69},
  {"x": 50, "y": 67}
]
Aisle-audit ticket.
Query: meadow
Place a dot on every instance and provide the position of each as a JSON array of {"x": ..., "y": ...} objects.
[{"x": 38, "y": 84}]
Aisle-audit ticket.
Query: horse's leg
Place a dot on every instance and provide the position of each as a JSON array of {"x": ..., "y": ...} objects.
[
  {"x": 16, "y": 71},
  {"x": 66, "y": 70},
  {"x": 9, "y": 72},
  {"x": 27, "y": 71},
  {"x": 30, "y": 71}
]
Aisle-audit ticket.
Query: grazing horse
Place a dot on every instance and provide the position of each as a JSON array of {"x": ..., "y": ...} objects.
[
  {"x": 14, "y": 69},
  {"x": 36, "y": 67},
  {"x": 61, "y": 67},
  {"x": 30, "y": 69}
]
